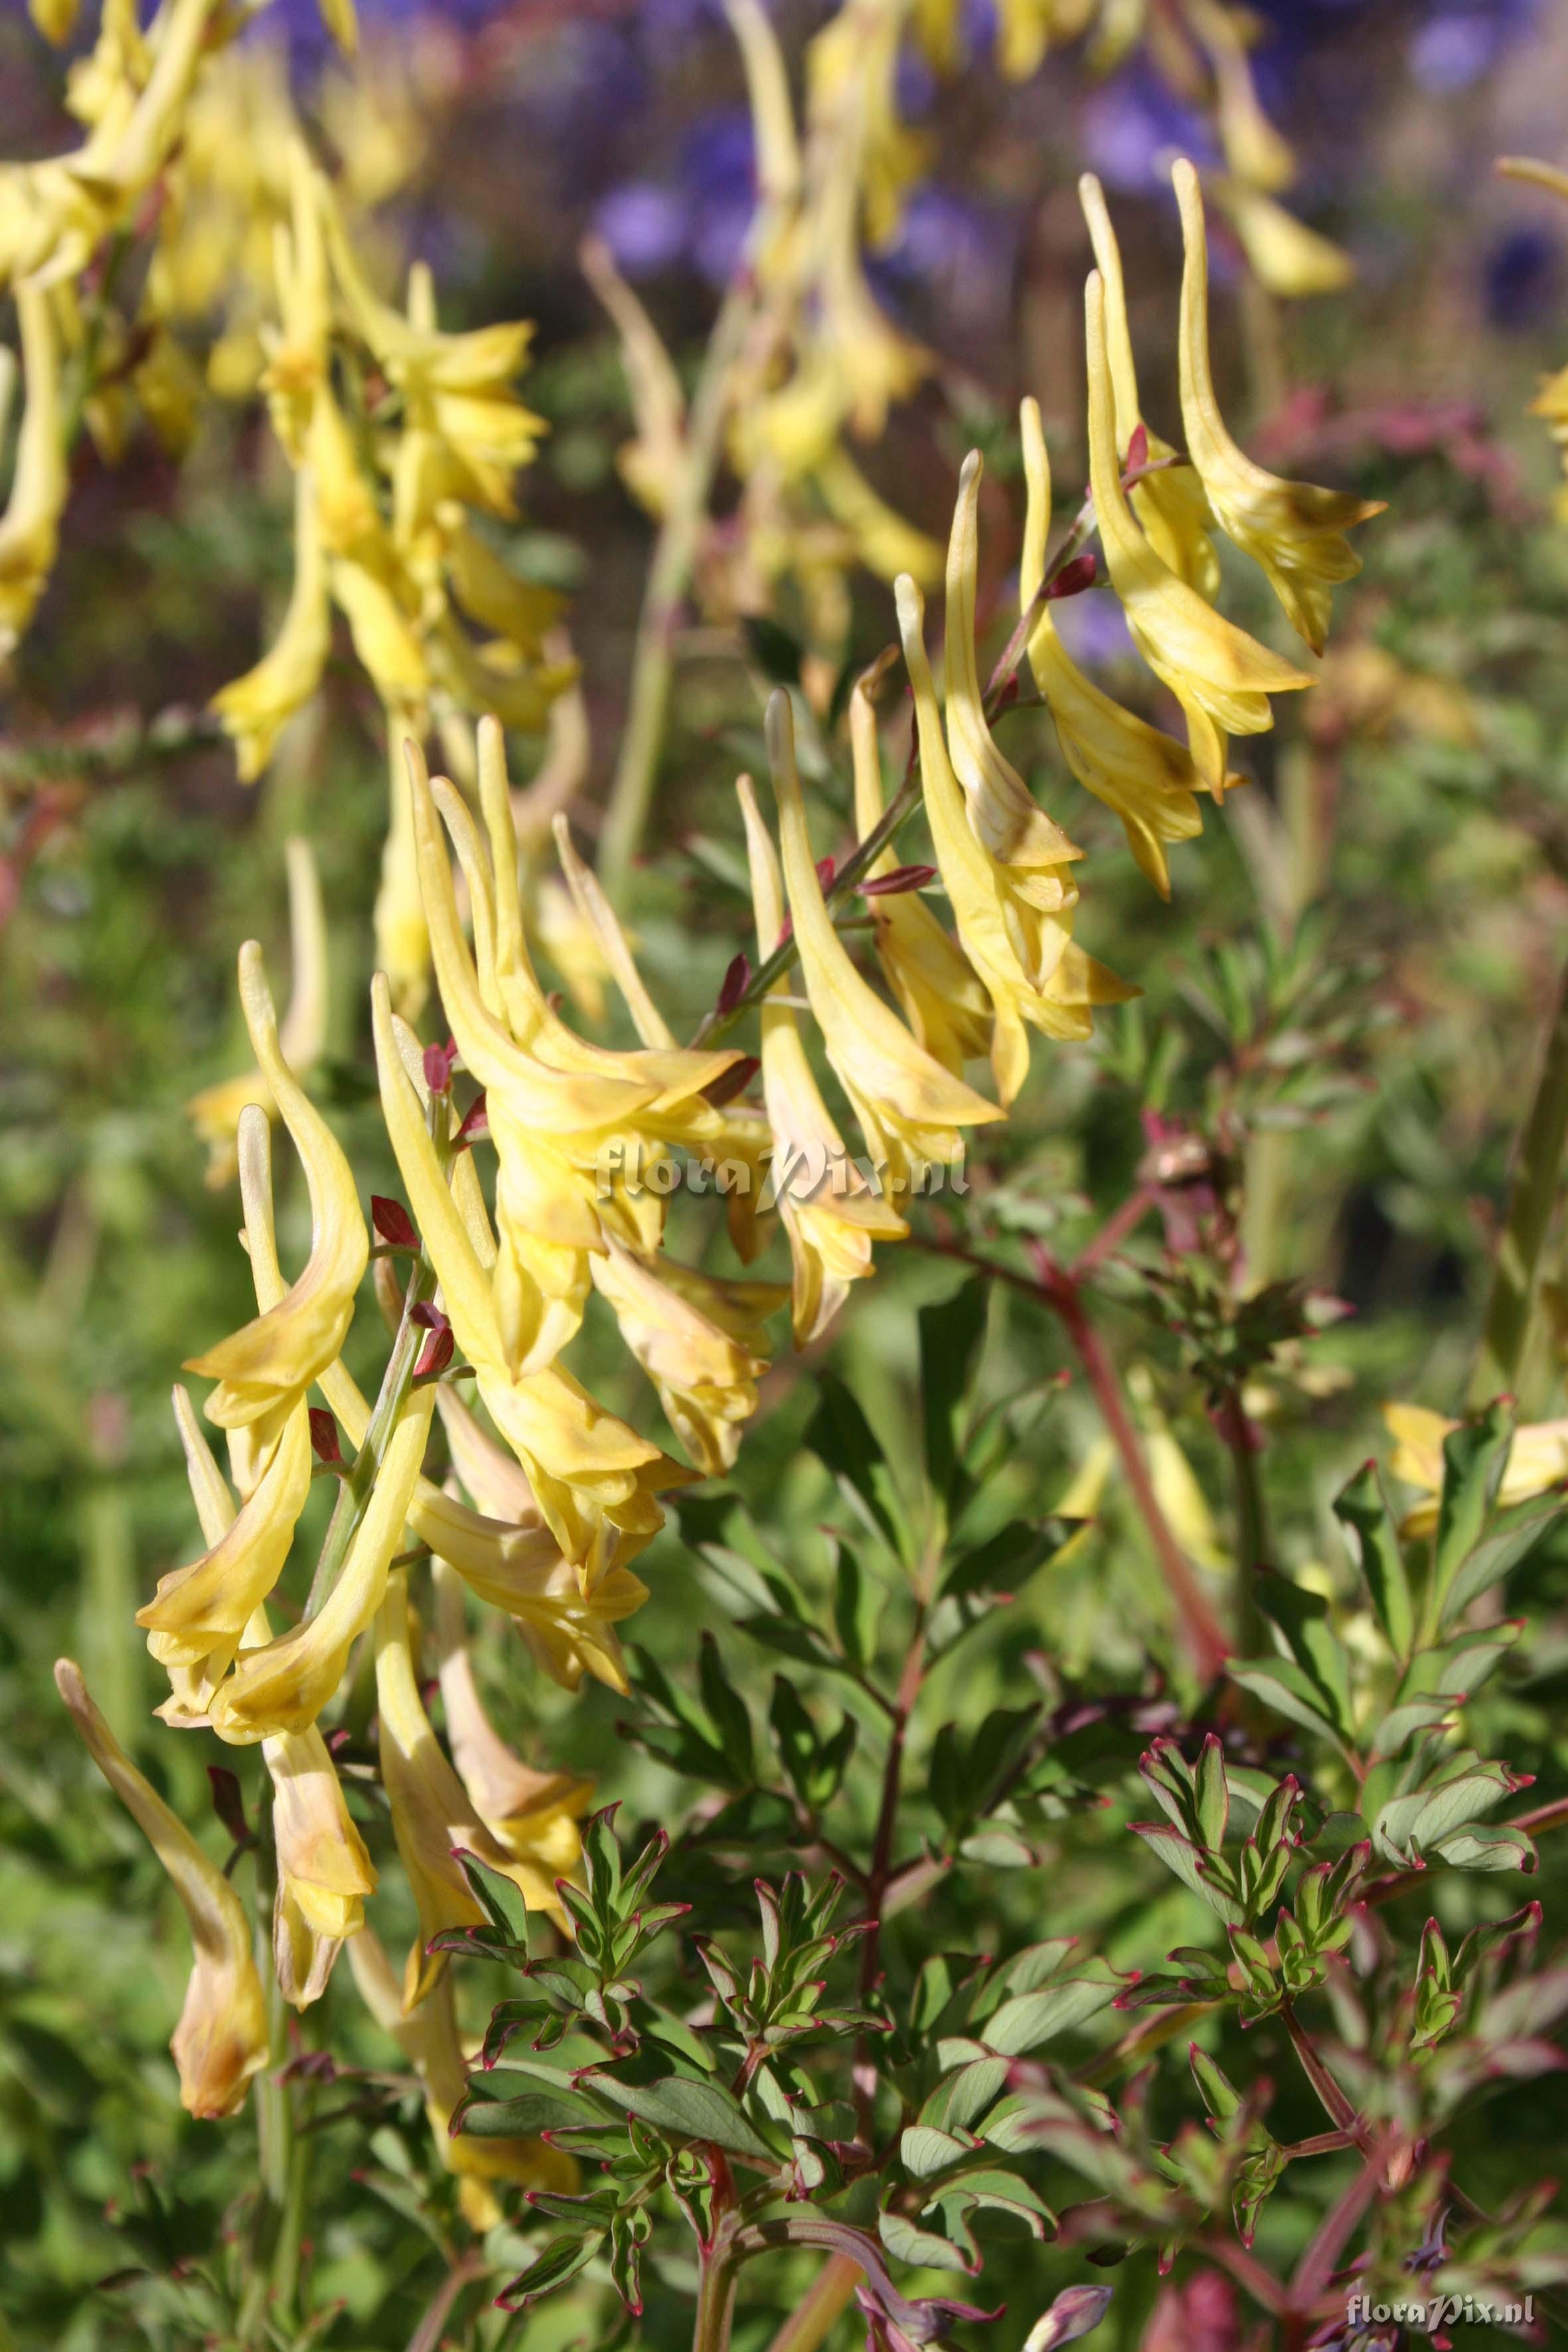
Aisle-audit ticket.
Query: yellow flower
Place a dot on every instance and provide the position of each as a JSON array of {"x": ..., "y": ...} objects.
[
  {"x": 1143, "y": 773},
  {"x": 910, "y": 1108},
  {"x": 831, "y": 1214},
  {"x": 255, "y": 708},
  {"x": 275, "y": 1357},
  {"x": 221, "y": 2040},
  {"x": 323, "y": 1871},
  {"x": 29, "y": 528},
  {"x": 204, "y": 1609},
  {"x": 1030, "y": 854},
  {"x": 56, "y": 19},
  {"x": 943, "y": 1002},
  {"x": 700, "y": 1341},
  {"x": 1537, "y": 1460},
  {"x": 1254, "y": 149},
  {"x": 533, "y": 1814},
  {"x": 1285, "y": 256},
  {"x": 1220, "y": 675},
  {"x": 651, "y": 464},
  {"x": 595, "y": 1480},
  {"x": 1295, "y": 531},
  {"x": 428, "y": 2039},
  {"x": 1170, "y": 505},
  {"x": 432, "y": 1812},
  {"x": 885, "y": 544},
  {"x": 302, "y": 1034},
  {"x": 1057, "y": 1005}
]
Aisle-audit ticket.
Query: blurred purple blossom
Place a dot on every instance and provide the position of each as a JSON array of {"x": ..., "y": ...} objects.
[
  {"x": 1458, "y": 44},
  {"x": 1094, "y": 630},
  {"x": 1521, "y": 276},
  {"x": 1133, "y": 125}
]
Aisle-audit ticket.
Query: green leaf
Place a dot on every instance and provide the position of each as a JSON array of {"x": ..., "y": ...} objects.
[
  {"x": 1362, "y": 1506},
  {"x": 498, "y": 1897},
  {"x": 728, "y": 1711},
  {"x": 684, "y": 2110},
  {"x": 1281, "y": 1683},
  {"x": 562, "y": 2260},
  {"x": 1219, "y": 2096},
  {"x": 950, "y": 1338},
  {"x": 1032, "y": 2018},
  {"x": 924, "y": 2151},
  {"x": 1004, "y": 1563},
  {"x": 1498, "y": 1556},
  {"x": 1302, "y": 1617},
  {"x": 840, "y": 1435},
  {"x": 1406, "y": 1720},
  {"x": 522, "y": 2116},
  {"x": 1193, "y": 1867},
  {"x": 1482, "y": 1848},
  {"x": 924, "y": 2248},
  {"x": 1474, "y": 1458},
  {"x": 1458, "y": 1667},
  {"x": 776, "y": 653},
  {"x": 961, "y": 2099},
  {"x": 1211, "y": 1799}
]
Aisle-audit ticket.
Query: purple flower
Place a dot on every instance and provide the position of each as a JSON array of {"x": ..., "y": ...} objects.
[{"x": 1133, "y": 126}]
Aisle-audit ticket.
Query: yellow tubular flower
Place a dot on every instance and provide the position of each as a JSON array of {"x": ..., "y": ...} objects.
[
  {"x": 1143, "y": 773},
  {"x": 1220, "y": 675},
  {"x": 1295, "y": 531},
  {"x": 1254, "y": 149},
  {"x": 533, "y": 1814},
  {"x": 1030, "y": 853},
  {"x": 885, "y": 544},
  {"x": 303, "y": 1034},
  {"x": 221, "y": 2040},
  {"x": 255, "y": 708},
  {"x": 594, "y": 1479},
  {"x": 402, "y": 934},
  {"x": 1171, "y": 506},
  {"x": 700, "y": 1341},
  {"x": 280, "y": 1354},
  {"x": 204, "y": 1609},
  {"x": 323, "y": 1871},
  {"x": 831, "y": 1214},
  {"x": 1537, "y": 1460},
  {"x": 29, "y": 528},
  {"x": 1060, "y": 1007},
  {"x": 928, "y": 973},
  {"x": 1284, "y": 255},
  {"x": 910, "y": 1108},
  {"x": 428, "y": 2039},
  {"x": 650, "y": 465},
  {"x": 431, "y": 1809},
  {"x": 56, "y": 19},
  {"x": 614, "y": 946}
]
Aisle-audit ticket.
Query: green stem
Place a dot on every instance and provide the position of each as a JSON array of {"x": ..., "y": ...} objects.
[
  {"x": 1537, "y": 1172},
  {"x": 277, "y": 2230},
  {"x": 1251, "y": 1528},
  {"x": 669, "y": 576},
  {"x": 719, "y": 2275},
  {"x": 829, "y": 2295}
]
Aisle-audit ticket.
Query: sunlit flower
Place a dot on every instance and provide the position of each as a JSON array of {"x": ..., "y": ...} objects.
[
  {"x": 533, "y": 1814},
  {"x": 1220, "y": 675},
  {"x": 29, "y": 528},
  {"x": 1295, "y": 531},
  {"x": 701, "y": 1340},
  {"x": 1143, "y": 773},
  {"x": 274, "y": 1359},
  {"x": 1285, "y": 256},
  {"x": 943, "y": 1002},
  {"x": 256, "y": 707},
  {"x": 221, "y": 2040},
  {"x": 910, "y": 1108},
  {"x": 831, "y": 1214},
  {"x": 323, "y": 1871},
  {"x": 204, "y": 1609},
  {"x": 1170, "y": 504}
]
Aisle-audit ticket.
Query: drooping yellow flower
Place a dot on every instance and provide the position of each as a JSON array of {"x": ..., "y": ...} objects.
[
  {"x": 533, "y": 1814},
  {"x": 1170, "y": 505},
  {"x": 944, "y": 1003},
  {"x": 432, "y": 1812},
  {"x": 831, "y": 1214},
  {"x": 302, "y": 1033},
  {"x": 323, "y": 1871},
  {"x": 1537, "y": 1461},
  {"x": 1143, "y": 773},
  {"x": 284, "y": 1685},
  {"x": 595, "y": 1480},
  {"x": 29, "y": 528},
  {"x": 1220, "y": 675},
  {"x": 1294, "y": 529},
  {"x": 256, "y": 707},
  {"x": 701, "y": 1340},
  {"x": 204, "y": 1609},
  {"x": 650, "y": 465},
  {"x": 429, "y": 2040},
  {"x": 1284, "y": 255},
  {"x": 1031, "y": 857},
  {"x": 912, "y": 1109},
  {"x": 1059, "y": 1006},
  {"x": 885, "y": 544},
  {"x": 1254, "y": 149},
  {"x": 56, "y": 19},
  {"x": 221, "y": 2040},
  {"x": 274, "y": 1359}
]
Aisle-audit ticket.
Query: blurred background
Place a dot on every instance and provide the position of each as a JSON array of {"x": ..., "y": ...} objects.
[{"x": 1389, "y": 891}]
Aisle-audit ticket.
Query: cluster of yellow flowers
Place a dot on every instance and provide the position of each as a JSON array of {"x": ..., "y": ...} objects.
[{"x": 550, "y": 1497}]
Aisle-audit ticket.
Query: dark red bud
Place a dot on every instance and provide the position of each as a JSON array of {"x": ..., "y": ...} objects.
[
  {"x": 1137, "y": 449},
  {"x": 439, "y": 1349},
  {"x": 825, "y": 868},
  {"x": 737, "y": 979},
  {"x": 324, "y": 1436},
  {"x": 438, "y": 1061},
  {"x": 1073, "y": 579},
  {"x": 901, "y": 879},
  {"x": 393, "y": 1221},
  {"x": 475, "y": 1122},
  {"x": 430, "y": 1317}
]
